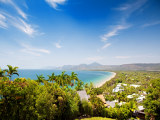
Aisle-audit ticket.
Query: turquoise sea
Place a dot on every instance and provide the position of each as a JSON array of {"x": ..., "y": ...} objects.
[{"x": 86, "y": 76}]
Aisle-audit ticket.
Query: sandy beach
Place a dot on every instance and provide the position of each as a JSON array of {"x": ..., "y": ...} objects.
[{"x": 105, "y": 80}]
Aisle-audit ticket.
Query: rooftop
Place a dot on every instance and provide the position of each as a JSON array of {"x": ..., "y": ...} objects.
[
  {"x": 133, "y": 85},
  {"x": 83, "y": 95}
]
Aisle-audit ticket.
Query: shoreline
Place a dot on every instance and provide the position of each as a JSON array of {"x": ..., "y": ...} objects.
[{"x": 105, "y": 80}]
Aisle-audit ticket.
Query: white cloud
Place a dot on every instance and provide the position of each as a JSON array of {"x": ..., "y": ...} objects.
[
  {"x": 58, "y": 45},
  {"x": 30, "y": 52},
  {"x": 151, "y": 24},
  {"x": 96, "y": 58},
  {"x": 33, "y": 51},
  {"x": 24, "y": 27},
  {"x": 114, "y": 32},
  {"x": 122, "y": 57},
  {"x": 7, "y": 20},
  {"x": 3, "y": 23},
  {"x": 126, "y": 9},
  {"x": 20, "y": 12},
  {"x": 106, "y": 45},
  {"x": 5, "y": 1},
  {"x": 53, "y": 3},
  {"x": 18, "y": 20},
  {"x": 130, "y": 7}
]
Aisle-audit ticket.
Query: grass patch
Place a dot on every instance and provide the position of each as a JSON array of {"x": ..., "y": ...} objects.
[{"x": 96, "y": 118}]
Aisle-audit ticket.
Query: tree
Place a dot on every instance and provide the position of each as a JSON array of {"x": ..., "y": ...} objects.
[
  {"x": 86, "y": 108},
  {"x": 74, "y": 77},
  {"x": 98, "y": 106},
  {"x": 11, "y": 71},
  {"x": 152, "y": 102},
  {"x": 22, "y": 99},
  {"x": 65, "y": 79},
  {"x": 90, "y": 88},
  {"x": 2, "y": 73},
  {"x": 40, "y": 78},
  {"x": 62, "y": 78},
  {"x": 52, "y": 77},
  {"x": 79, "y": 85}
]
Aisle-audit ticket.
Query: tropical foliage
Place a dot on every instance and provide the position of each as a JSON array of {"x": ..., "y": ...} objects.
[
  {"x": 11, "y": 71},
  {"x": 152, "y": 102},
  {"x": 56, "y": 98},
  {"x": 149, "y": 86},
  {"x": 28, "y": 99}
]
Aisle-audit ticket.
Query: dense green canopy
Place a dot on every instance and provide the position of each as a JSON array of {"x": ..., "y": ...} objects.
[{"x": 57, "y": 98}]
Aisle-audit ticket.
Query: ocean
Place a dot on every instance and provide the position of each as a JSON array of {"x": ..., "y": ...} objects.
[{"x": 86, "y": 76}]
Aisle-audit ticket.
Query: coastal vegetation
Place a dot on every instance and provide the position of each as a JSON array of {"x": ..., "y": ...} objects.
[
  {"x": 97, "y": 118},
  {"x": 139, "y": 88},
  {"x": 56, "y": 97}
]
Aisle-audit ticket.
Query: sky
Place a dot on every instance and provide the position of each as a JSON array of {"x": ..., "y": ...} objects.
[{"x": 43, "y": 33}]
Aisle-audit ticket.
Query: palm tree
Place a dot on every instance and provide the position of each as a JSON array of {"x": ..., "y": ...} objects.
[
  {"x": 62, "y": 78},
  {"x": 68, "y": 80},
  {"x": 52, "y": 77},
  {"x": 40, "y": 78},
  {"x": 74, "y": 77},
  {"x": 79, "y": 85},
  {"x": 11, "y": 71},
  {"x": 2, "y": 72},
  {"x": 58, "y": 81}
]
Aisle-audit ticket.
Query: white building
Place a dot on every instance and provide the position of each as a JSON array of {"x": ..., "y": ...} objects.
[
  {"x": 140, "y": 98},
  {"x": 111, "y": 103},
  {"x": 141, "y": 108},
  {"x": 133, "y": 85},
  {"x": 130, "y": 96},
  {"x": 121, "y": 103},
  {"x": 83, "y": 95},
  {"x": 119, "y": 87}
]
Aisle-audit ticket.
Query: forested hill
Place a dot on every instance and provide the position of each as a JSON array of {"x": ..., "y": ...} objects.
[{"x": 124, "y": 67}]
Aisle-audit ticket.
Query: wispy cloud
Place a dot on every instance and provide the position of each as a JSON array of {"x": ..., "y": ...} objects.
[
  {"x": 151, "y": 24},
  {"x": 54, "y": 3},
  {"x": 7, "y": 20},
  {"x": 114, "y": 32},
  {"x": 126, "y": 9},
  {"x": 122, "y": 57},
  {"x": 106, "y": 45},
  {"x": 20, "y": 12},
  {"x": 17, "y": 20},
  {"x": 95, "y": 59},
  {"x": 3, "y": 23},
  {"x": 58, "y": 45},
  {"x": 34, "y": 51},
  {"x": 24, "y": 27},
  {"x": 130, "y": 7}
]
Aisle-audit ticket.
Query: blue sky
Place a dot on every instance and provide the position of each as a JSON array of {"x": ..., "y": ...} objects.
[{"x": 41, "y": 33}]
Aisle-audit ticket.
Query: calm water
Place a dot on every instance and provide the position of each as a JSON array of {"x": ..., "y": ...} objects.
[{"x": 85, "y": 76}]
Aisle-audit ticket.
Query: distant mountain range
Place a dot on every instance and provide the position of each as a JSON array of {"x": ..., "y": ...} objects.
[{"x": 124, "y": 67}]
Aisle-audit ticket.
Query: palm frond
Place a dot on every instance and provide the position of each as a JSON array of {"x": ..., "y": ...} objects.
[{"x": 16, "y": 74}]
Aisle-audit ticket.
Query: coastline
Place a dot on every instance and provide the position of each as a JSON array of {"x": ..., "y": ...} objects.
[{"x": 105, "y": 80}]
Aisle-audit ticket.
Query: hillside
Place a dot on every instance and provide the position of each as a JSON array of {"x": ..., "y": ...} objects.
[{"x": 124, "y": 67}]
